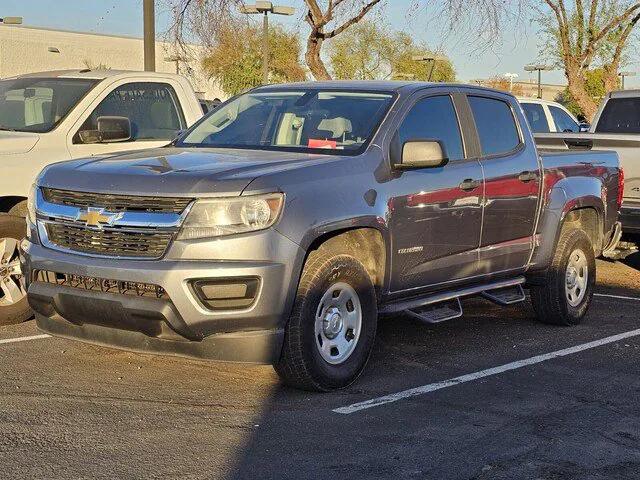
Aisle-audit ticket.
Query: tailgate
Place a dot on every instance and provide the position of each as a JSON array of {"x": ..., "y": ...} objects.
[{"x": 627, "y": 147}]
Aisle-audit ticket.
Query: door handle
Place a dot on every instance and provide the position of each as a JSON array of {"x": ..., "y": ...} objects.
[
  {"x": 469, "y": 184},
  {"x": 527, "y": 176}
]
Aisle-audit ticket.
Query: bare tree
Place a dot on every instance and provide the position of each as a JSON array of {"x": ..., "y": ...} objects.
[
  {"x": 327, "y": 21},
  {"x": 588, "y": 34}
]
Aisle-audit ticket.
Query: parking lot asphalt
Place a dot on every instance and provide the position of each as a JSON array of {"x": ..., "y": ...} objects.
[{"x": 70, "y": 410}]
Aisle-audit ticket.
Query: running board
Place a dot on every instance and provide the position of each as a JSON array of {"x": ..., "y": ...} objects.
[
  {"x": 506, "y": 295},
  {"x": 439, "y": 312},
  {"x": 420, "y": 301}
]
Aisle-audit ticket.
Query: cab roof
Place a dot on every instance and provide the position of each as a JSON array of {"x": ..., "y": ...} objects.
[{"x": 90, "y": 74}]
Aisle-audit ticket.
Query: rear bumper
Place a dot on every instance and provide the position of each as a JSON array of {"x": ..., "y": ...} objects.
[{"x": 630, "y": 217}]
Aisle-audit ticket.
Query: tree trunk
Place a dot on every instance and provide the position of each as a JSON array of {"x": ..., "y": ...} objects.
[
  {"x": 579, "y": 93},
  {"x": 313, "y": 59}
]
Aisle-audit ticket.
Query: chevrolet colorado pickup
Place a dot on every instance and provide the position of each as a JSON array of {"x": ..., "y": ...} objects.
[
  {"x": 47, "y": 117},
  {"x": 279, "y": 227}
]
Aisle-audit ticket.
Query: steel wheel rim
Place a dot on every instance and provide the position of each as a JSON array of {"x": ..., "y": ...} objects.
[
  {"x": 338, "y": 323},
  {"x": 11, "y": 288},
  {"x": 576, "y": 278}
]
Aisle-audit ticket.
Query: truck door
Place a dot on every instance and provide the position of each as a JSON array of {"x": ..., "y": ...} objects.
[
  {"x": 511, "y": 170},
  {"x": 435, "y": 213},
  {"x": 152, "y": 108}
]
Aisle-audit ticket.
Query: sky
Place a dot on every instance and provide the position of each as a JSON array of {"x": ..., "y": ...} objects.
[{"x": 518, "y": 47}]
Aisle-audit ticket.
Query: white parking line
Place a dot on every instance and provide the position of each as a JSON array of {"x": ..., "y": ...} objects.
[
  {"x": 621, "y": 297},
  {"x": 24, "y": 339},
  {"x": 432, "y": 387}
]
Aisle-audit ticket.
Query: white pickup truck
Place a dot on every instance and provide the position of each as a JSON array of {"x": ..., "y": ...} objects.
[{"x": 53, "y": 116}]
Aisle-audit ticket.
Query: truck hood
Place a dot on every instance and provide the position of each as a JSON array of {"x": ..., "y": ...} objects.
[
  {"x": 173, "y": 171},
  {"x": 14, "y": 143}
]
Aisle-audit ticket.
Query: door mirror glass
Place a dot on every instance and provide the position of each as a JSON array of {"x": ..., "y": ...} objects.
[
  {"x": 422, "y": 154},
  {"x": 110, "y": 129}
]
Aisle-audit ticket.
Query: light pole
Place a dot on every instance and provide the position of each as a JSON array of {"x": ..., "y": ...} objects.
[
  {"x": 11, "y": 20},
  {"x": 625, "y": 74},
  {"x": 427, "y": 58},
  {"x": 149, "y": 19},
  {"x": 265, "y": 8},
  {"x": 511, "y": 76},
  {"x": 538, "y": 68}
]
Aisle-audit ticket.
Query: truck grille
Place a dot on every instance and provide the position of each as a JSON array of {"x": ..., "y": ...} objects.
[
  {"x": 138, "y": 289},
  {"x": 109, "y": 241},
  {"x": 117, "y": 203}
]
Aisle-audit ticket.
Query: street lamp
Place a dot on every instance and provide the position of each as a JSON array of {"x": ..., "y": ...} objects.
[
  {"x": 426, "y": 58},
  {"x": 625, "y": 74},
  {"x": 511, "y": 76},
  {"x": 11, "y": 20},
  {"x": 265, "y": 8},
  {"x": 538, "y": 68}
]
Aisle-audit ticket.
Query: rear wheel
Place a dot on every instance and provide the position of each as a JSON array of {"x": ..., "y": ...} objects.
[
  {"x": 13, "y": 295},
  {"x": 331, "y": 331},
  {"x": 568, "y": 287}
]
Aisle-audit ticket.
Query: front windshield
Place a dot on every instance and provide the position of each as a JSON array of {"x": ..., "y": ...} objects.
[
  {"x": 311, "y": 120},
  {"x": 38, "y": 104}
]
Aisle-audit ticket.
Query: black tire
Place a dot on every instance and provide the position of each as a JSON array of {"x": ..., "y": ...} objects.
[
  {"x": 301, "y": 364},
  {"x": 15, "y": 228},
  {"x": 550, "y": 301}
]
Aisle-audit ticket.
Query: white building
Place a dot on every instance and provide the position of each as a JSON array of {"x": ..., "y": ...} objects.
[{"x": 27, "y": 50}]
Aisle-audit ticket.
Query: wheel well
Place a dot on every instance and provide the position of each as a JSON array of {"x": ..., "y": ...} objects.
[
  {"x": 588, "y": 220},
  {"x": 365, "y": 244},
  {"x": 7, "y": 203}
]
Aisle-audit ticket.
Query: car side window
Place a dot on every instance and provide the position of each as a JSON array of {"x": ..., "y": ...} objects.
[
  {"x": 434, "y": 118},
  {"x": 536, "y": 117},
  {"x": 495, "y": 124},
  {"x": 151, "y": 107},
  {"x": 563, "y": 121}
]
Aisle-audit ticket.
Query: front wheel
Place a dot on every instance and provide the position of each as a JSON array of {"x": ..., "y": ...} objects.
[
  {"x": 14, "y": 307},
  {"x": 568, "y": 288},
  {"x": 331, "y": 331}
]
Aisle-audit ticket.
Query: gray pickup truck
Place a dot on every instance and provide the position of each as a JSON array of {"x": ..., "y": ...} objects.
[
  {"x": 616, "y": 126},
  {"x": 278, "y": 228}
]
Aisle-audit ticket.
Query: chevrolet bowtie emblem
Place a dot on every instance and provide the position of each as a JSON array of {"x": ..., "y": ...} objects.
[{"x": 95, "y": 217}]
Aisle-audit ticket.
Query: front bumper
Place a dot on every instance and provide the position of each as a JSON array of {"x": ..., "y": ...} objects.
[{"x": 179, "y": 324}]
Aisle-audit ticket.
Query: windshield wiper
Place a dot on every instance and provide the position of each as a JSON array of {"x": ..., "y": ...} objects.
[{"x": 7, "y": 129}]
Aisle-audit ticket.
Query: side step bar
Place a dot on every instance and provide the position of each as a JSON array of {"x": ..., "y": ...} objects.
[
  {"x": 423, "y": 300},
  {"x": 506, "y": 295},
  {"x": 438, "y": 312}
]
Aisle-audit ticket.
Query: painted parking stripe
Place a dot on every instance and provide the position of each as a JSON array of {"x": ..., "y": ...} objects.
[
  {"x": 620, "y": 297},
  {"x": 24, "y": 339},
  {"x": 432, "y": 387}
]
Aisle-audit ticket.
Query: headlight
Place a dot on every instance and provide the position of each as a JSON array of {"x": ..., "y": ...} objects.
[
  {"x": 228, "y": 216},
  {"x": 31, "y": 204}
]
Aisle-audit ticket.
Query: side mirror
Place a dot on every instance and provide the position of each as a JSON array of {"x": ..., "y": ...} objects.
[
  {"x": 110, "y": 130},
  {"x": 584, "y": 127},
  {"x": 422, "y": 154}
]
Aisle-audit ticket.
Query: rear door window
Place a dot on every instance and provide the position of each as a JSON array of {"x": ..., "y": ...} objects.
[
  {"x": 563, "y": 121},
  {"x": 620, "y": 115},
  {"x": 536, "y": 117},
  {"x": 495, "y": 124},
  {"x": 434, "y": 118},
  {"x": 152, "y": 108}
]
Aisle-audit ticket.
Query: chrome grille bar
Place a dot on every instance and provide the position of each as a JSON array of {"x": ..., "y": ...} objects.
[{"x": 117, "y": 203}]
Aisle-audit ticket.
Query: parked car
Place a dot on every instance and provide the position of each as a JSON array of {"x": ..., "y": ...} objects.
[
  {"x": 616, "y": 126},
  {"x": 282, "y": 224},
  {"x": 208, "y": 105},
  {"x": 52, "y": 116},
  {"x": 545, "y": 116}
]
